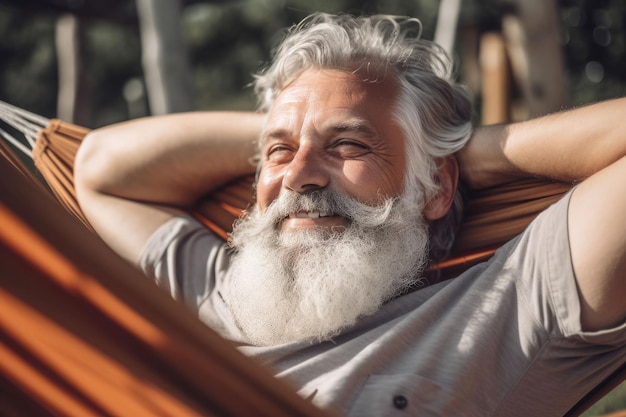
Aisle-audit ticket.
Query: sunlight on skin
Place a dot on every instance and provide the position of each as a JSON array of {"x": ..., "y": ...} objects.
[{"x": 329, "y": 128}]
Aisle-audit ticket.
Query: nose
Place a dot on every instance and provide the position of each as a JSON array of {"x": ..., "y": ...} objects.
[{"x": 307, "y": 171}]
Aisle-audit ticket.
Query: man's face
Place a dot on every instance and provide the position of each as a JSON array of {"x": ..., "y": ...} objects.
[
  {"x": 329, "y": 128},
  {"x": 332, "y": 161}
]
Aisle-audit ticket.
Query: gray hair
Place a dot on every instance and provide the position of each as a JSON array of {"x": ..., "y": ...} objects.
[{"x": 432, "y": 110}]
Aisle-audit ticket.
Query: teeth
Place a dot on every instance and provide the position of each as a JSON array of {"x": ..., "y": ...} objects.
[{"x": 309, "y": 215}]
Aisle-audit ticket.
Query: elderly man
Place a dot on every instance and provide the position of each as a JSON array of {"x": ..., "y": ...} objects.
[{"x": 361, "y": 141}]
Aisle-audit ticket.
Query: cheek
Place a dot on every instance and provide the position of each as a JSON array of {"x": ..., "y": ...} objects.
[
  {"x": 397, "y": 179},
  {"x": 267, "y": 188},
  {"x": 368, "y": 182}
]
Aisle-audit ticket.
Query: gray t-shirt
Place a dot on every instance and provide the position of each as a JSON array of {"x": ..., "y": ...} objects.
[{"x": 503, "y": 339}]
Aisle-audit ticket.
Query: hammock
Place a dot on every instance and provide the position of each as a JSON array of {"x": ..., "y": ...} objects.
[
  {"x": 75, "y": 292},
  {"x": 83, "y": 333}
]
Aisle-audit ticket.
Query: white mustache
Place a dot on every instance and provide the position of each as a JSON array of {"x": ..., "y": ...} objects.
[{"x": 328, "y": 202}]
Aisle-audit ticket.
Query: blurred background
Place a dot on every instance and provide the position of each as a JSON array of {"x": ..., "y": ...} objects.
[{"x": 96, "y": 62}]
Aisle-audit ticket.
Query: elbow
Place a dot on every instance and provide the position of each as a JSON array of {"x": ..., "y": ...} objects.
[{"x": 92, "y": 164}]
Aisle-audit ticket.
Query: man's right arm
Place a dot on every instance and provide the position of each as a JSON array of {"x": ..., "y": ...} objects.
[{"x": 132, "y": 177}]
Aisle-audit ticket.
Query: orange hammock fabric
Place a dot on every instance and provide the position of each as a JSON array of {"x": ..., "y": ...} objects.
[{"x": 83, "y": 333}]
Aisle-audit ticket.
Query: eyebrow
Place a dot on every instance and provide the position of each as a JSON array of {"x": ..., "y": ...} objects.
[
  {"x": 277, "y": 133},
  {"x": 358, "y": 126}
]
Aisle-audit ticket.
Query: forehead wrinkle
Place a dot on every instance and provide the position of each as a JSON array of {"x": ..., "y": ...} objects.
[
  {"x": 275, "y": 133},
  {"x": 282, "y": 125}
]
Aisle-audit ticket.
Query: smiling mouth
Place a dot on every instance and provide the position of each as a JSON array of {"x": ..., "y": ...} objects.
[
  {"x": 309, "y": 215},
  {"x": 329, "y": 222}
]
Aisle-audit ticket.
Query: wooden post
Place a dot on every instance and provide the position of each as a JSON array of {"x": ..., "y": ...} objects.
[{"x": 495, "y": 79}]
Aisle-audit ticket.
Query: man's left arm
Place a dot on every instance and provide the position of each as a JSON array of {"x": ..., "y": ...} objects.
[
  {"x": 597, "y": 229},
  {"x": 586, "y": 145}
]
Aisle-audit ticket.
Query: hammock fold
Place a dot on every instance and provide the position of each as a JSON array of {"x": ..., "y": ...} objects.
[{"x": 84, "y": 333}]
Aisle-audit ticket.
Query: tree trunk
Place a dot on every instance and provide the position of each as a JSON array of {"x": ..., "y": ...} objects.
[
  {"x": 447, "y": 19},
  {"x": 164, "y": 56},
  {"x": 73, "y": 103},
  {"x": 532, "y": 33}
]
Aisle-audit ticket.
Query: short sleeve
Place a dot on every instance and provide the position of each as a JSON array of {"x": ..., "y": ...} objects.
[
  {"x": 547, "y": 281},
  {"x": 185, "y": 258}
]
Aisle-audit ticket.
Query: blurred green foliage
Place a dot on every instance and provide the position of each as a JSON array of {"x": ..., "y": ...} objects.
[
  {"x": 227, "y": 42},
  {"x": 595, "y": 46},
  {"x": 614, "y": 401},
  {"x": 28, "y": 75}
]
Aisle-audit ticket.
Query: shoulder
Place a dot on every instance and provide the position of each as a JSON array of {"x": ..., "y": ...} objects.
[{"x": 184, "y": 257}]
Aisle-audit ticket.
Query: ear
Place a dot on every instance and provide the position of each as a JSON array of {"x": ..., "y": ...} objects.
[{"x": 448, "y": 175}]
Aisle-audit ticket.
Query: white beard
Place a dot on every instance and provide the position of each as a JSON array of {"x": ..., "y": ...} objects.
[{"x": 310, "y": 285}]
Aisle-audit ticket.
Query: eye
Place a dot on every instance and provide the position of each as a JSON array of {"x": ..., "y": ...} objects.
[
  {"x": 278, "y": 152},
  {"x": 350, "y": 142},
  {"x": 350, "y": 148}
]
